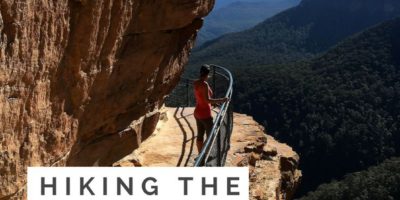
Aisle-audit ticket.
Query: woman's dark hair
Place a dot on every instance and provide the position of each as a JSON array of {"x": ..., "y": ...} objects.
[{"x": 204, "y": 70}]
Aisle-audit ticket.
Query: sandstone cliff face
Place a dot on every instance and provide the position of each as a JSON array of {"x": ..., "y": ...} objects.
[
  {"x": 77, "y": 76},
  {"x": 274, "y": 166}
]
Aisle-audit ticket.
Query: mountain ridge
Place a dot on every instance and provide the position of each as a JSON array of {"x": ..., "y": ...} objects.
[
  {"x": 298, "y": 33},
  {"x": 240, "y": 15}
]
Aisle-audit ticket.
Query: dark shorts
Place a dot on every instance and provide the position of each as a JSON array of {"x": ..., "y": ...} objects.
[{"x": 204, "y": 126}]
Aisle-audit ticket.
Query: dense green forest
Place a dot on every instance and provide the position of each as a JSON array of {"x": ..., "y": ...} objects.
[
  {"x": 377, "y": 183},
  {"x": 340, "y": 112},
  {"x": 240, "y": 15},
  {"x": 337, "y": 105},
  {"x": 298, "y": 33}
]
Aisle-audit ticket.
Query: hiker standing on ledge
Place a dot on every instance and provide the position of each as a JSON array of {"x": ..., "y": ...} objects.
[{"x": 202, "y": 112}]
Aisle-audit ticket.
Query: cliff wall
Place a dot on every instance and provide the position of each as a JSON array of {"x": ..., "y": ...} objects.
[
  {"x": 274, "y": 166},
  {"x": 80, "y": 75}
]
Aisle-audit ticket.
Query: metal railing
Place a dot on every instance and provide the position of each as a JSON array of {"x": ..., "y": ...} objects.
[{"x": 216, "y": 146}]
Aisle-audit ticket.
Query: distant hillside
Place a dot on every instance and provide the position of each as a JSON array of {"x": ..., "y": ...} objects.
[
  {"x": 240, "y": 15},
  {"x": 340, "y": 112},
  {"x": 224, "y": 3},
  {"x": 298, "y": 33},
  {"x": 381, "y": 182}
]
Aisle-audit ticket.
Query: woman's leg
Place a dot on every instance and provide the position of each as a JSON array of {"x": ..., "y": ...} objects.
[
  {"x": 200, "y": 134},
  {"x": 206, "y": 127},
  {"x": 208, "y": 124}
]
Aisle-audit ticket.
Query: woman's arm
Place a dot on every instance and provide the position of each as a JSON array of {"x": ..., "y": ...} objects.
[{"x": 206, "y": 96}]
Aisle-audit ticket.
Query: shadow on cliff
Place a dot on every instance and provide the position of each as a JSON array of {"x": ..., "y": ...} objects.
[{"x": 185, "y": 138}]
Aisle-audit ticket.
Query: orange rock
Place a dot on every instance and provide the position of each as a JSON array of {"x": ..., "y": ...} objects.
[
  {"x": 175, "y": 142},
  {"x": 270, "y": 151},
  {"x": 267, "y": 159},
  {"x": 75, "y": 74}
]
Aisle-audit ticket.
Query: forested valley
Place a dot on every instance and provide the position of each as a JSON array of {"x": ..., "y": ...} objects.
[{"x": 324, "y": 77}]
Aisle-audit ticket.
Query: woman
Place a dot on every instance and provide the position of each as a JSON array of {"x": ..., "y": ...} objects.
[{"x": 202, "y": 112}]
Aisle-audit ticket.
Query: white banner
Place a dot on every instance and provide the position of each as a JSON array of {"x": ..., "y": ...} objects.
[{"x": 142, "y": 183}]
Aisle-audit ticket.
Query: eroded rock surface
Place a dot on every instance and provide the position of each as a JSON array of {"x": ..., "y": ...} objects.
[
  {"x": 80, "y": 78},
  {"x": 274, "y": 172},
  {"x": 273, "y": 166}
]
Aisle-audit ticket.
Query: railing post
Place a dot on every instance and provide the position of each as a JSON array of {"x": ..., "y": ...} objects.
[
  {"x": 214, "y": 82},
  {"x": 187, "y": 93},
  {"x": 219, "y": 157}
]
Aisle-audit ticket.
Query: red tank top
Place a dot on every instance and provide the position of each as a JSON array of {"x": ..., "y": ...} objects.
[{"x": 203, "y": 108}]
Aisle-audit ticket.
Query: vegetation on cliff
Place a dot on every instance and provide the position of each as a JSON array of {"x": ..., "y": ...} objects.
[{"x": 381, "y": 182}]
